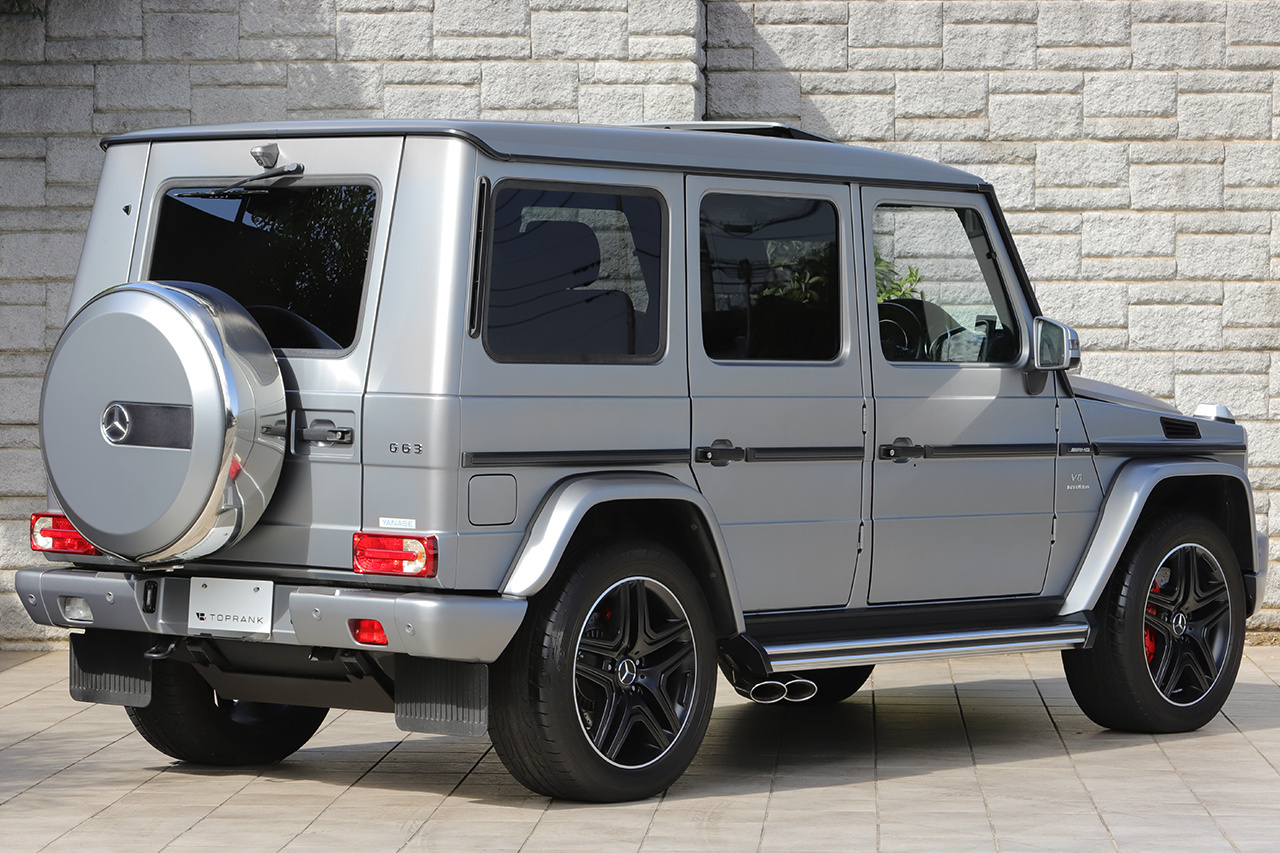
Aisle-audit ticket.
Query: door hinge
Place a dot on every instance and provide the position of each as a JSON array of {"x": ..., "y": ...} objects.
[
  {"x": 865, "y": 411},
  {"x": 862, "y": 525}
]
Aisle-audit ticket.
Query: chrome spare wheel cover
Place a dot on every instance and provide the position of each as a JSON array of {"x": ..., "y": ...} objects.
[
  {"x": 635, "y": 672},
  {"x": 152, "y": 417},
  {"x": 1187, "y": 624}
]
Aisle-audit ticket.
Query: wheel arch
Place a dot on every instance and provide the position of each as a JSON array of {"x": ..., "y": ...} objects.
[
  {"x": 1217, "y": 490},
  {"x": 581, "y": 510}
]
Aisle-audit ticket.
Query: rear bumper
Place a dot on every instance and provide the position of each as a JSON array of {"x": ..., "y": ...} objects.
[{"x": 422, "y": 624}]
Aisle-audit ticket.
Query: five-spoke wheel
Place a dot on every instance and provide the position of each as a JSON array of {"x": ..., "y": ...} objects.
[
  {"x": 634, "y": 672},
  {"x": 1187, "y": 625},
  {"x": 605, "y": 692},
  {"x": 1171, "y": 630}
]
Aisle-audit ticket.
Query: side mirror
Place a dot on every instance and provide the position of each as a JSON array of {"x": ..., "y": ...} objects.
[{"x": 1056, "y": 346}]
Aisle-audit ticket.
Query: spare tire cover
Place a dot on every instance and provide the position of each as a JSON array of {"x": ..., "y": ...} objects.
[{"x": 158, "y": 421}]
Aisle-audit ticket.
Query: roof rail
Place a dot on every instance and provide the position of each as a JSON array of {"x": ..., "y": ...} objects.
[{"x": 774, "y": 129}]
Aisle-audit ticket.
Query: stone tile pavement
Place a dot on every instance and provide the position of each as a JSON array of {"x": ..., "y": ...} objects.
[{"x": 978, "y": 754}]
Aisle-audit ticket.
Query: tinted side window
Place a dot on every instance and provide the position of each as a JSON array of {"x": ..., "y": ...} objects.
[
  {"x": 294, "y": 256},
  {"x": 939, "y": 290},
  {"x": 770, "y": 278},
  {"x": 574, "y": 275}
]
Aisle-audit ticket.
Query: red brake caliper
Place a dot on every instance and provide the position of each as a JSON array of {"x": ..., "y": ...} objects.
[{"x": 1148, "y": 638}]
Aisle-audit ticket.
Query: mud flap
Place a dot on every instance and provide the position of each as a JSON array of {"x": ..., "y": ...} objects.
[
  {"x": 442, "y": 696},
  {"x": 109, "y": 667}
]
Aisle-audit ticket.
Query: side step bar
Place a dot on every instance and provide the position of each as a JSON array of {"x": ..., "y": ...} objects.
[{"x": 830, "y": 654}]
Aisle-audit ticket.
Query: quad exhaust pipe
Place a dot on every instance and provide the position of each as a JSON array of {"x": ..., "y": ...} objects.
[{"x": 767, "y": 691}]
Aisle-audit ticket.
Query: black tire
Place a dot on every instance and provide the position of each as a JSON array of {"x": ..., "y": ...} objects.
[
  {"x": 1170, "y": 631},
  {"x": 606, "y": 690},
  {"x": 836, "y": 685},
  {"x": 188, "y": 721}
]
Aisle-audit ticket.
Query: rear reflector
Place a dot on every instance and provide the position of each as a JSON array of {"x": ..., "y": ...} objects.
[
  {"x": 50, "y": 531},
  {"x": 367, "y": 631},
  {"x": 373, "y": 553}
]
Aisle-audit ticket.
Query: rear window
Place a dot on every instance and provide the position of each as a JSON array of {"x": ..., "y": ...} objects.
[{"x": 295, "y": 257}]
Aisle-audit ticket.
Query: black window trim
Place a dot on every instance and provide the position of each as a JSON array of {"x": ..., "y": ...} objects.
[
  {"x": 324, "y": 180},
  {"x": 991, "y": 225},
  {"x": 844, "y": 289},
  {"x": 664, "y": 288}
]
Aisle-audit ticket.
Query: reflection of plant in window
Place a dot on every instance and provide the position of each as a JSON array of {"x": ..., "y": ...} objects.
[
  {"x": 891, "y": 285},
  {"x": 802, "y": 271},
  {"x": 321, "y": 247}
]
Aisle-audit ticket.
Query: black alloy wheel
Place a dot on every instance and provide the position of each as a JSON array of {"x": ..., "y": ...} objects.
[
  {"x": 1170, "y": 630},
  {"x": 605, "y": 692},
  {"x": 634, "y": 672},
  {"x": 1187, "y": 626}
]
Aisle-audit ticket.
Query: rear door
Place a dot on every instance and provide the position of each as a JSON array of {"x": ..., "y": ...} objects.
[
  {"x": 962, "y": 502},
  {"x": 777, "y": 385},
  {"x": 305, "y": 256}
]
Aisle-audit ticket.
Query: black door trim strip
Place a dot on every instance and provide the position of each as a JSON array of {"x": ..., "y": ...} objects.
[
  {"x": 806, "y": 454},
  {"x": 573, "y": 458},
  {"x": 900, "y": 452},
  {"x": 1166, "y": 448},
  {"x": 988, "y": 451}
]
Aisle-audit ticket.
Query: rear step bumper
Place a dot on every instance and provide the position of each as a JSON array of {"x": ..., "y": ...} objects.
[
  {"x": 423, "y": 624},
  {"x": 830, "y": 654}
]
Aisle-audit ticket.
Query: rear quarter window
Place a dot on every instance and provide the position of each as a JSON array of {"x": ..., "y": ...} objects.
[{"x": 574, "y": 275}]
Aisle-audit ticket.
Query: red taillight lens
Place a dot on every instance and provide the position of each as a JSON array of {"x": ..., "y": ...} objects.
[
  {"x": 52, "y": 532},
  {"x": 367, "y": 631},
  {"x": 372, "y": 553}
]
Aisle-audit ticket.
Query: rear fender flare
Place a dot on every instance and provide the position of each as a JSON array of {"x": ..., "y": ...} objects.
[{"x": 563, "y": 508}]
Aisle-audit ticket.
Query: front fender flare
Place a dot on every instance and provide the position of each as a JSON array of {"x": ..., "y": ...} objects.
[
  {"x": 1123, "y": 506},
  {"x": 562, "y": 510}
]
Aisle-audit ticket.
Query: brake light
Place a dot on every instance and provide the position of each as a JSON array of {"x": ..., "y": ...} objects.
[
  {"x": 367, "y": 631},
  {"x": 51, "y": 531},
  {"x": 372, "y": 553}
]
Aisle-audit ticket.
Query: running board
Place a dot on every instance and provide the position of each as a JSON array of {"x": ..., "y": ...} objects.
[{"x": 830, "y": 654}]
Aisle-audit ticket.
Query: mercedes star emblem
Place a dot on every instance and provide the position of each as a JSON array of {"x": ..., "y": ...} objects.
[{"x": 115, "y": 423}]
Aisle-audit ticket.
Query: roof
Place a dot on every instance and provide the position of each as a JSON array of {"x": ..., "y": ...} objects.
[{"x": 757, "y": 148}]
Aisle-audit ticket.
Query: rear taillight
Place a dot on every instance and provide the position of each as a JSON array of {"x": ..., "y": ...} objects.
[
  {"x": 51, "y": 531},
  {"x": 373, "y": 553}
]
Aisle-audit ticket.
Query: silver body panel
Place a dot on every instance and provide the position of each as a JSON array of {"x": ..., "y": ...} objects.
[{"x": 502, "y": 462}]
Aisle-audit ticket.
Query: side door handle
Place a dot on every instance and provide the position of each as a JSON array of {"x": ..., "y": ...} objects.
[
  {"x": 901, "y": 450},
  {"x": 720, "y": 453}
]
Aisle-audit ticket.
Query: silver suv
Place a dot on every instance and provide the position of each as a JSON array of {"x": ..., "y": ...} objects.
[{"x": 529, "y": 429}]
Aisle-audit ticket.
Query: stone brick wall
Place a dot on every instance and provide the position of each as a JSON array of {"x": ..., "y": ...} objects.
[
  {"x": 94, "y": 67},
  {"x": 1131, "y": 143}
]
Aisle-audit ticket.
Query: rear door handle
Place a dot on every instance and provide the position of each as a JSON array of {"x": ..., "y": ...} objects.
[
  {"x": 720, "y": 453},
  {"x": 901, "y": 450}
]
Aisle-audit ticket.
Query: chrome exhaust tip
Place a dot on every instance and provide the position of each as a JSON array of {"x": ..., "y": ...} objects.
[
  {"x": 767, "y": 692},
  {"x": 800, "y": 689}
]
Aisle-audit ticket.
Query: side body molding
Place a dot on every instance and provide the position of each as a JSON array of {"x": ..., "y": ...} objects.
[
  {"x": 1123, "y": 506},
  {"x": 565, "y": 506}
]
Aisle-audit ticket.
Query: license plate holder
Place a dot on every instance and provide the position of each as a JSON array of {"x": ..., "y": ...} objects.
[{"x": 230, "y": 607}]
